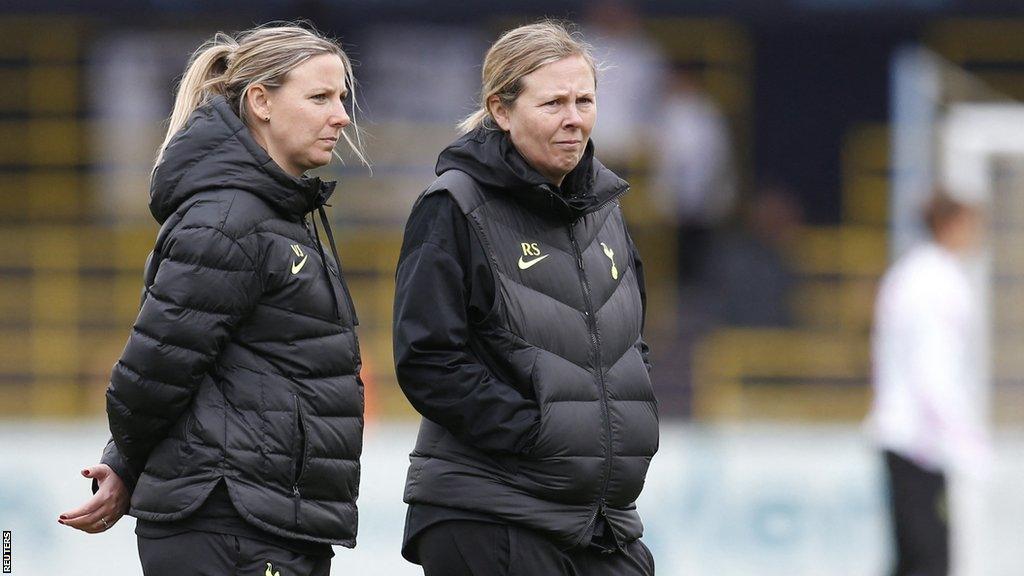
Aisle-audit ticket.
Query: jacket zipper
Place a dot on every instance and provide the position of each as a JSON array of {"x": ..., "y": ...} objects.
[
  {"x": 300, "y": 434},
  {"x": 596, "y": 343},
  {"x": 349, "y": 303}
]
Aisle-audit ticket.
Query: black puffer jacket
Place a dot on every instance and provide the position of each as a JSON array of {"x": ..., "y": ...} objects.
[
  {"x": 243, "y": 363},
  {"x": 563, "y": 335}
]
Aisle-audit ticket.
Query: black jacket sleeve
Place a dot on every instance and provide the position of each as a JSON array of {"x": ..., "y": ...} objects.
[
  {"x": 112, "y": 457},
  {"x": 444, "y": 282},
  {"x": 204, "y": 285},
  {"x": 638, "y": 266}
]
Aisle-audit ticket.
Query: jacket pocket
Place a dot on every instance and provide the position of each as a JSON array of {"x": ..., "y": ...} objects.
[
  {"x": 508, "y": 462},
  {"x": 300, "y": 444},
  {"x": 533, "y": 450},
  {"x": 300, "y": 450},
  {"x": 187, "y": 438}
]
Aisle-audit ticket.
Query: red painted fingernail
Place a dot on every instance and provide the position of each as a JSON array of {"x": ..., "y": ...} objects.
[{"x": 85, "y": 472}]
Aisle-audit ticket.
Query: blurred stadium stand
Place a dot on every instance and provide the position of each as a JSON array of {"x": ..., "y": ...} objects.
[
  {"x": 768, "y": 472},
  {"x": 73, "y": 246}
]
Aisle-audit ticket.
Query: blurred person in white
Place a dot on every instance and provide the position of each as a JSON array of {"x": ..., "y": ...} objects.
[
  {"x": 692, "y": 165},
  {"x": 927, "y": 414},
  {"x": 632, "y": 73},
  {"x": 236, "y": 409}
]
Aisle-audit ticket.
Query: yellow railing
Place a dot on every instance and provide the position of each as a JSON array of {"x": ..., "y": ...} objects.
[
  {"x": 818, "y": 370},
  {"x": 71, "y": 292},
  {"x": 71, "y": 286},
  {"x": 789, "y": 374}
]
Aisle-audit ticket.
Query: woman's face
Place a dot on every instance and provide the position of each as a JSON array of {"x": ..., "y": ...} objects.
[
  {"x": 306, "y": 114},
  {"x": 551, "y": 120}
]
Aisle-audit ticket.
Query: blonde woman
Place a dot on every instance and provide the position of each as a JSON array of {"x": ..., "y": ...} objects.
[
  {"x": 236, "y": 407},
  {"x": 519, "y": 307}
]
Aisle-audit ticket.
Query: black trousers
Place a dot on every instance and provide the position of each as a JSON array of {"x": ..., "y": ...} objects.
[
  {"x": 468, "y": 548},
  {"x": 917, "y": 499},
  {"x": 210, "y": 554}
]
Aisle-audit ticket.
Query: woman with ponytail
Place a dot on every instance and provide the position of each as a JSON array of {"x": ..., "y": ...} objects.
[{"x": 236, "y": 408}]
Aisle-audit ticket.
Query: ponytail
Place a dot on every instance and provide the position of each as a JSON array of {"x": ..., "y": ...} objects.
[
  {"x": 474, "y": 120},
  {"x": 200, "y": 83}
]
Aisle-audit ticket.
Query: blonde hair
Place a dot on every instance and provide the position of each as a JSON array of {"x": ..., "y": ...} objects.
[
  {"x": 229, "y": 65},
  {"x": 519, "y": 52}
]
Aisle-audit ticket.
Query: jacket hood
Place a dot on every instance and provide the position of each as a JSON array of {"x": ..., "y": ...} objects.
[
  {"x": 215, "y": 151},
  {"x": 491, "y": 159}
]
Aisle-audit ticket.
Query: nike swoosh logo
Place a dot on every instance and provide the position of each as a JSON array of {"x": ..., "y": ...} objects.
[
  {"x": 296, "y": 266},
  {"x": 524, "y": 264}
]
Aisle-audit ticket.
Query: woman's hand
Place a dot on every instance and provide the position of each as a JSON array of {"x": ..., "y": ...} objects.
[{"x": 106, "y": 506}]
